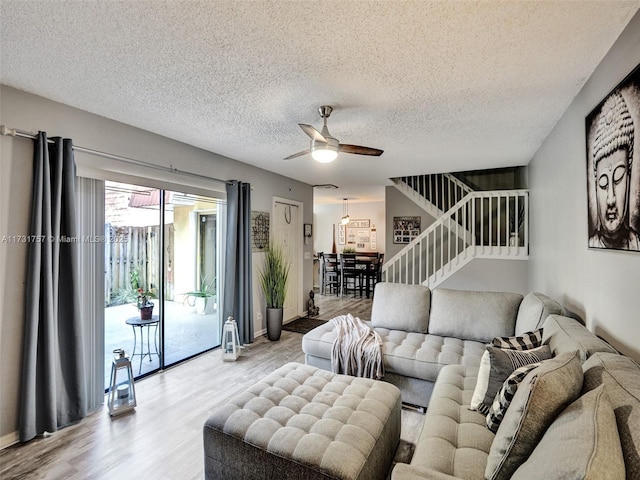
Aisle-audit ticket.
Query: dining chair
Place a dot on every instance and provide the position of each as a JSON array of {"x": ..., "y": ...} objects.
[
  {"x": 330, "y": 273},
  {"x": 349, "y": 273}
]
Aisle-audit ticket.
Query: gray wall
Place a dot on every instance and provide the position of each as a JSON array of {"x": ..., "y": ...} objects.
[
  {"x": 491, "y": 275},
  {"x": 29, "y": 112},
  {"x": 602, "y": 286},
  {"x": 398, "y": 205}
]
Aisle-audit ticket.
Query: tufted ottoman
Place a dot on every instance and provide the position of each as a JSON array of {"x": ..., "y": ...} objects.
[{"x": 301, "y": 422}]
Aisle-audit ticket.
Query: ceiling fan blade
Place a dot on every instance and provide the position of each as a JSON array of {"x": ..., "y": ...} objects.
[
  {"x": 312, "y": 132},
  {"x": 358, "y": 150},
  {"x": 299, "y": 154}
]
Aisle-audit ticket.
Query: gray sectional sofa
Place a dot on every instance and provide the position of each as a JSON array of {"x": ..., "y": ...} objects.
[
  {"x": 576, "y": 417},
  {"x": 425, "y": 330}
]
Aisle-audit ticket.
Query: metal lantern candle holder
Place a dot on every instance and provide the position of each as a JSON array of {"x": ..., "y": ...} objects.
[
  {"x": 122, "y": 393},
  {"x": 230, "y": 341}
]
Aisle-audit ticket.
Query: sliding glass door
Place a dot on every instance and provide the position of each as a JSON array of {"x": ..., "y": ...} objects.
[
  {"x": 162, "y": 249},
  {"x": 191, "y": 317}
]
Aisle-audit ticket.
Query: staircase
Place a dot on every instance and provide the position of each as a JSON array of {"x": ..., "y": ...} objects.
[{"x": 491, "y": 224}]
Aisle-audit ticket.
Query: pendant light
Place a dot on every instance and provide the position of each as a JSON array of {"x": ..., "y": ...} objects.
[{"x": 345, "y": 212}]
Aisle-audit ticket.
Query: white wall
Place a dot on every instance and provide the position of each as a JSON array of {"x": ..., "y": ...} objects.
[
  {"x": 602, "y": 286},
  {"x": 327, "y": 215},
  {"x": 29, "y": 112}
]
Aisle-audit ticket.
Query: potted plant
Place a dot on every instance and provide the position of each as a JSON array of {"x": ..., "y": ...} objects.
[
  {"x": 273, "y": 280},
  {"x": 145, "y": 306},
  {"x": 203, "y": 299}
]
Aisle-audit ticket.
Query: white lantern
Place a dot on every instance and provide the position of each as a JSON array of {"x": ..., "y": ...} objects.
[
  {"x": 230, "y": 341},
  {"x": 122, "y": 394}
]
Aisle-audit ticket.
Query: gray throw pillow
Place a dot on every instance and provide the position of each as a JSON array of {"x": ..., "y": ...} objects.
[
  {"x": 540, "y": 398},
  {"x": 503, "y": 362},
  {"x": 588, "y": 436}
]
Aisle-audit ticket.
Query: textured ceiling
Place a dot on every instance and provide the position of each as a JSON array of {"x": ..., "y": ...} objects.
[{"x": 439, "y": 86}]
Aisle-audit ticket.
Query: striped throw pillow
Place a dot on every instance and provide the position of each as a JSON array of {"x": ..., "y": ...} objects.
[
  {"x": 503, "y": 362},
  {"x": 505, "y": 395},
  {"x": 526, "y": 341}
]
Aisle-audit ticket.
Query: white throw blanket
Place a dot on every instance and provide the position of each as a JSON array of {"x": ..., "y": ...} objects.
[{"x": 357, "y": 350}]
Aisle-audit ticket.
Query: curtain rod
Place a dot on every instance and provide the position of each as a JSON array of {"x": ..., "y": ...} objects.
[{"x": 14, "y": 132}]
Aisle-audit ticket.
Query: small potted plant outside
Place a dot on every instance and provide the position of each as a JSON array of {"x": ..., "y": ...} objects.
[
  {"x": 273, "y": 280},
  {"x": 204, "y": 297},
  {"x": 145, "y": 306}
]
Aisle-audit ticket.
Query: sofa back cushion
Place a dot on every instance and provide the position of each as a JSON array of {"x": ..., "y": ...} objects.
[
  {"x": 564, "y": 334},
  {"x": 582, "y": 442},
  {"x": 621, "y": 377},
  {"x": 534, "y": 310},
  {"x": 401, "y": 307},
  {"x": 470, "y": 315}
]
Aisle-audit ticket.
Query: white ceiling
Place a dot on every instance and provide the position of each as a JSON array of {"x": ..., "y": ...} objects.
[{"x": 439, "y": 86}]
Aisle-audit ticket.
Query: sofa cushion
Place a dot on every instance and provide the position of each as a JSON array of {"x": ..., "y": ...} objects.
[
  {"x": 534, "y": 310},
  {"x": 621, "y": 377},
  {"x": 401, "y": 307},
  {"x": 454, "y": 440},
  {"x": 564, "y": 334},
  {"x": 479, "y": 316},
  {"x": 414, "y": 355},
  {"x": 502, "y": 363},
  {"x": 422, "y": 356},
  {"x": 587, "y": 433},
  {"x": 543, "y": 394}
]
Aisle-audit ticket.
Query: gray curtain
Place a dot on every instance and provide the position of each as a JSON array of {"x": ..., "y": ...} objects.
[
  {"x": 238, "y": 286},
  {"x": 53, "y": 391}
]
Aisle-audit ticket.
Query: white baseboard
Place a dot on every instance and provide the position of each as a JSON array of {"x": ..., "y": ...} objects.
[{"x": 8, "y": 440}]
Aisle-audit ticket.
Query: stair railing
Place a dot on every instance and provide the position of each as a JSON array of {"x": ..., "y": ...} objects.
[
  {"x": 441, "y": 190},
  {"x": 490, "y": 224}
]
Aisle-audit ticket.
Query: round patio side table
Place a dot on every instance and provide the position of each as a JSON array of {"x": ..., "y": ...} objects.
[{"x": 137, "y": 322}]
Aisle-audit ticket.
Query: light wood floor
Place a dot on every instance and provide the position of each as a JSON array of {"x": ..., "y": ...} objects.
[{"x": 162, "y": 439}]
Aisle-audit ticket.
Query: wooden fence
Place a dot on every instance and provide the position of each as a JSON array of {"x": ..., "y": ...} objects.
[{"x": 133, "y": 253}]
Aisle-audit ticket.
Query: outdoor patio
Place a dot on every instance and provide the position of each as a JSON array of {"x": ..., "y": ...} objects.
[{"x": 186, "y": 333}]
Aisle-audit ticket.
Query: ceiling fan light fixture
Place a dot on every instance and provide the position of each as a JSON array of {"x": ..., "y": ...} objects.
[
  {"x": 324, "y": 152},
  {"x": 324, "y": 155}
]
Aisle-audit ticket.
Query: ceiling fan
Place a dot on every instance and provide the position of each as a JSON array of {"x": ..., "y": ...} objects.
[{"x": 324, "y": 148}]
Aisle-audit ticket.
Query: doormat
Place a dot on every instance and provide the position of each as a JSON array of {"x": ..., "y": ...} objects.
[{"x": 303, "y": 325}]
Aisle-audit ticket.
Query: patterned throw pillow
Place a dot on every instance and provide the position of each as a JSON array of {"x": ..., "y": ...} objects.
[
  {"x": 505, "y": 395},
  {"x": 526, "y": 341},
  {"x": 503, "y": 362}
]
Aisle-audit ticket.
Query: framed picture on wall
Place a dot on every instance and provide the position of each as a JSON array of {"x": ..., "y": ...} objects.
[
  {"x": 613, "y": 168},
  {"x": 405, "y": 229}
]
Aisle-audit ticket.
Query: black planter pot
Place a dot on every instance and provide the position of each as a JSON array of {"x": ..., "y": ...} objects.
[{"x": 274, "y": 323}]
